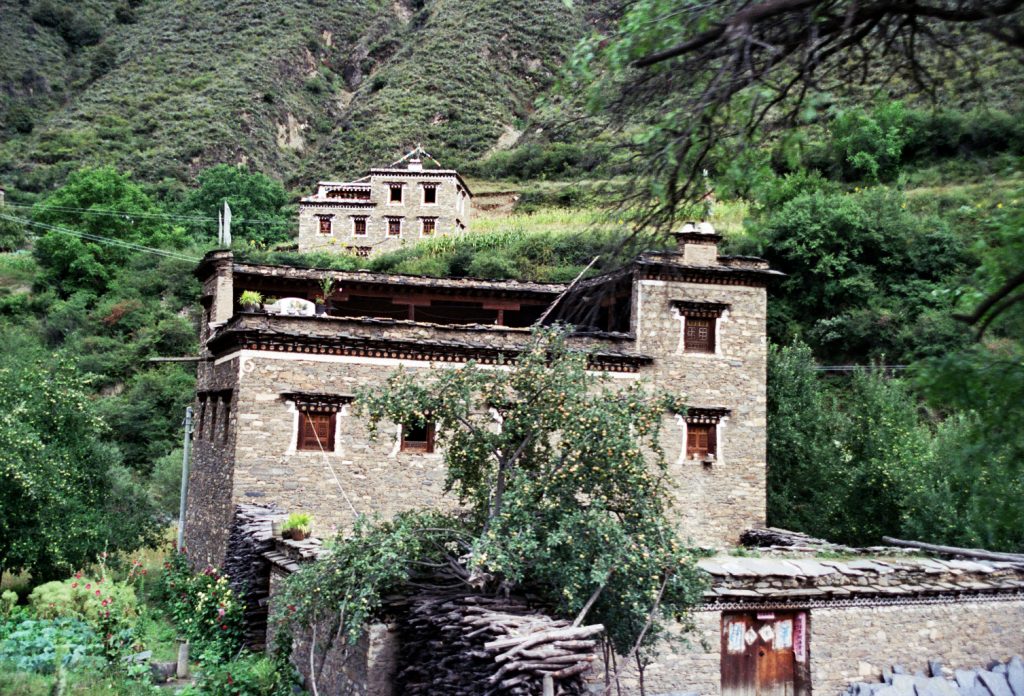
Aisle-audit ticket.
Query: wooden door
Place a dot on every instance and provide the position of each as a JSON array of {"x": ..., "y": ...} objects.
[{"x": 764, "y": 653}]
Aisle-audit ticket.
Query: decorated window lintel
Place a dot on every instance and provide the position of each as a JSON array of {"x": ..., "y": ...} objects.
[
  {"x": 700, "y": 310},
  {"x": 318, "y": 403}
]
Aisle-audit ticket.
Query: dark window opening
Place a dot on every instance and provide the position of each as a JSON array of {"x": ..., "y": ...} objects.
[
  {"x": 350, "y": 194},
  {"x": 325, "y": 225},
  {"x": 429, "y": 195},
  {"x": 701, "y": 439},
  {"x": 700, "y": 336},
  {"x": 316, "y": 431},
  {"x": 359, "y": 226},
  {"x": 394, "y": 226},
  {"x": 418, "y": 438},
  {"x": 396, "y": 193}
]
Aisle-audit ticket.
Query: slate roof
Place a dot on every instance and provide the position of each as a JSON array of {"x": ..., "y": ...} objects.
[{"x": 746, "y": 579}]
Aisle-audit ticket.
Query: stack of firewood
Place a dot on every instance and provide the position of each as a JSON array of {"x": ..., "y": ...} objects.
[{"x": 471, "y": 645}]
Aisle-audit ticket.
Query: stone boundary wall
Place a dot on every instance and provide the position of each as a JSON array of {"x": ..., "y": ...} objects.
[{"x": 853, "y": 644}]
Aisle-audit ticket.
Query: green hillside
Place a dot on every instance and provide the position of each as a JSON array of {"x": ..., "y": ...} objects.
[{"x": 298, "y": 90}]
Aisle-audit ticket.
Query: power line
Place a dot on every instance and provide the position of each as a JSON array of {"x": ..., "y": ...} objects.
[
  {"x": 131, "y": 214},
  {"x": 105, "y": 240}
]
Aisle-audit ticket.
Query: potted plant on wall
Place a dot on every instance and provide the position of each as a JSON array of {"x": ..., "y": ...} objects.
[
  {"x": 326, "y": 287},
  {"x": 250, "y": 300},
  {"x": 298, "y": 526}
]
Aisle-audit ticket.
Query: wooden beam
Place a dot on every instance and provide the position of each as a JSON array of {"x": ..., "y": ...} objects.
[{"x": 982, "y": 554}]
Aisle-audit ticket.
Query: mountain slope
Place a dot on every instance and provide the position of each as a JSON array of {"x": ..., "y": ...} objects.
[{"x": 298, "y": 90}]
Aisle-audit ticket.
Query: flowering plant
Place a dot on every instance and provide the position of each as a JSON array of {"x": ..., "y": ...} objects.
[{"x": 204, "y": 606}]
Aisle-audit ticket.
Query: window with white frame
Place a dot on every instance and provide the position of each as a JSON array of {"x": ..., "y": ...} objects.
[
  {"x": 700, "y": 322},
  {"x": 359, "y": 225},
  {"x": 394, "y": 226},
  {"x": 325, "y": 223},
  {"x": 703, "y": 433},
  {"x": 429, "y": 194},
  {"x": 395, "y": 193},
  {"x": 428, "y": 226}
]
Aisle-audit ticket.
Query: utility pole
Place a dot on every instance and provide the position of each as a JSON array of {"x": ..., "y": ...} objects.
[{"x": 186, "y": 446}]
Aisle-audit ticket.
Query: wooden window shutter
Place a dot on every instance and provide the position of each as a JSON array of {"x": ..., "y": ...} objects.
[
  {"x": 325, "y": 225},
  {"x": 700, "y": 335},
  {"x": 700, "y": 440},
  {"x": 316, "y": 431}
]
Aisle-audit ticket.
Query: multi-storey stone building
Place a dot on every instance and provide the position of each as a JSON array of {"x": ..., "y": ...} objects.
[
  {"x": 389, "y": 207},
  {"x": 273, "y": 417}
]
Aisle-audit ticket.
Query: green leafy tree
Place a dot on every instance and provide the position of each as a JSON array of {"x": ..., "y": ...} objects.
[
  {"x": 564, "y": 487},
  {"x": 871, "y": 144},
  {"x": 97, "y": 203},
  {"x": 258, "y": 205},
  {"x": 865, "y": 276},
  {"x": 843, "y": 459},
  {"x": 65, "y": 497}
]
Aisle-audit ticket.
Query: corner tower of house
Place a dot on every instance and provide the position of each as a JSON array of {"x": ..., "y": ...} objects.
[
  {"x": 391, "y": 206},
  {"x": 701, "y": 317}
]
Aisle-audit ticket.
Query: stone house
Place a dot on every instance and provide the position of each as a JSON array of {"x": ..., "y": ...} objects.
[
  {"x": 273, "y": 391},
  {"x": 389, "y": 207},
  {"x": 274, "y": 428}
]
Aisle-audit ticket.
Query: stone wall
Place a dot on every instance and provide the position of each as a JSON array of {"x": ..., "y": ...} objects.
[
  {"x": 449, "y": 219},
  {"x": 714, "y": 503},
  {"x": 852, "y": 644},
  {"x": 847, "y": 645},
  {"x": 211, "y": 505},
  {"x": 370, "y": 474}
]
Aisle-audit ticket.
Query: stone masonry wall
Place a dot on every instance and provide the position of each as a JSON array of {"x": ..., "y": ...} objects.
[
  {"x": 210, "y": 507},
  {"x": 716, "y": 502},
  {"x": 852, "y": 644},
  {"x": 847, "y": 645},
  {"x": 411, "y": 209},
  {"x": 373, "y": 474}
]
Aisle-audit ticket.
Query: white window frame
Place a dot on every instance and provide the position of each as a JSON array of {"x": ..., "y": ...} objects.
[
  {"x": 423, "y": 226},
  {"x": 366, "y": 226},
  {"x": 388, "y": 220},
  {"x": 319, "y": 223},
  {"x": 423, "y": 193},
  {"x": 401, "y": 188}
]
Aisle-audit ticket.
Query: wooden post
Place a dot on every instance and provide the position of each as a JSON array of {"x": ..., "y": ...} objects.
[{"x": 549, "y": 685}]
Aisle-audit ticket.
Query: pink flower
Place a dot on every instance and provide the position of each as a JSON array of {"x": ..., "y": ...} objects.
[
  {"x": 220, "y": 612},
  {"x": 74, "y": 585},
  {"x": 97, "y": 593},
  {"x": 88, "y": 586},
  {"x": 223, "y": 627}
]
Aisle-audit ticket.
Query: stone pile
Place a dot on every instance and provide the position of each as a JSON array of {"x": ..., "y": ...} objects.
[
  {"x": 471, "y": 645},
  {"x": 1001, "y": 679},
  {"x": 251, "y": 536}
]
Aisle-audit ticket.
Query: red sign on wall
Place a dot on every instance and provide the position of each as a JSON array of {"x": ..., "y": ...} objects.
[{"x": 800, "y": 637}]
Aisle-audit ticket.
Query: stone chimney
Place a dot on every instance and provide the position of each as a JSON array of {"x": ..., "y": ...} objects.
[
  {"x": 698, "y": 244},
  {"x": 415, "y": 164}
]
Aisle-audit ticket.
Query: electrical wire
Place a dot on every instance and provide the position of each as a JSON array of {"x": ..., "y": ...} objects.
[
  {"x": 100, "y": 238},
  {"x": 127, "y": 214}
]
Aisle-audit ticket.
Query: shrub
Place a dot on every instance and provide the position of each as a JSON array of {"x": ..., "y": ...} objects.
[
  {"x": 204, "y": 607},
  {"x": 83, "y": 598},
  {"x": 21, "y": 118},
  {"x": 871, "y": 144},
  {"x": 250, "y": 675}
]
